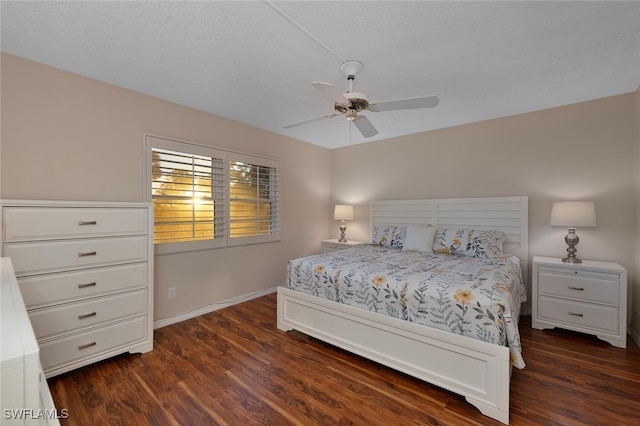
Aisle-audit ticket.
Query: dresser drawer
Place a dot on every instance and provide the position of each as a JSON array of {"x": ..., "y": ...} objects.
[
  {"x": 45, "y": 223},
  {"x": 587, "y": 315},
  {"x": 74, "y": 316},
  {"x": 41, "y": 290},
  {"x": 41, "y": 257},
  {"x": 578, "y": 285},
  {"x": 74, "y": 348}
]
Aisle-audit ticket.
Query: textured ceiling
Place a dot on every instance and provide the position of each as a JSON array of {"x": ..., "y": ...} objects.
[{"x": 252, "y": 61}]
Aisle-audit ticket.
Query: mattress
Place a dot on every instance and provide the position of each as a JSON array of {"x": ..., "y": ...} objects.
[{"x": 474, "y": 297}]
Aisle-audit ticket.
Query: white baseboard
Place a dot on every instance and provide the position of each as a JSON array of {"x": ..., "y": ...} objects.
[{"x": 214, "y": 307}]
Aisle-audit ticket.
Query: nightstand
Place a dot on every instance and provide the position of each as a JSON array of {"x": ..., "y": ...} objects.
[
  {"x": 589, "y": 297},
  {"x": 328, "y": 246}
]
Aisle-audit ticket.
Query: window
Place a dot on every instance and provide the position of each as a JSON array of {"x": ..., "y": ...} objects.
[
  {"x": 206, "y": 197},
  {"x": 253, "y": 198},
  {"x": 188, "y": 196}
]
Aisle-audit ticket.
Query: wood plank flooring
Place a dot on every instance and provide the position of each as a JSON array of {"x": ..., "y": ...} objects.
[{"x": 234, "y": 367}]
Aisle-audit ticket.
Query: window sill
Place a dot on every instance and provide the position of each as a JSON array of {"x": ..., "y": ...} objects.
[{"x": 191, "y": 246}]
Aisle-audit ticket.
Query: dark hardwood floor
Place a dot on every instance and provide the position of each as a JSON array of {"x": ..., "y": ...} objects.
[{"x": 233, "y": 367}]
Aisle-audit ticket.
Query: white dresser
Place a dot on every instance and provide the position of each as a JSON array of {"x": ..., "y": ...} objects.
[
  {"x": 590, "y": 297},
  {"x": 24, "y": 394},
  {"x": 85, "y": 271}
]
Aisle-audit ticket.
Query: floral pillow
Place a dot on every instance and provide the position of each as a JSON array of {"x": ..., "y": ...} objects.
[
  {"x": 382, "y": 235},
  {"x": 399, "y": 237},
  {"x": 389, "y": 236},
  {"x": 469, "y": 242}
]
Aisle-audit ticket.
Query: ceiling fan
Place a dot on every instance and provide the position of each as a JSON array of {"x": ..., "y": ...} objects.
[{"x": 351, "y": 103}]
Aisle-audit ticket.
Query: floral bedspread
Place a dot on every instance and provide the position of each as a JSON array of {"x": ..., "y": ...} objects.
[{"x": 474, "y": 297}]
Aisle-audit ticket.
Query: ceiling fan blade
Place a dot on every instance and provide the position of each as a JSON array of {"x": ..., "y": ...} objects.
[
  {"x": 364, "y": 125},
  {"x": 309, "y": 120},
  {"x": 331, "y": 92},
  {"x": 410, "y": 103}
]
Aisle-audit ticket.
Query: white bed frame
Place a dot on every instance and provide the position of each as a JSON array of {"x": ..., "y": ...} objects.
[{"x": 477, "y": 370}]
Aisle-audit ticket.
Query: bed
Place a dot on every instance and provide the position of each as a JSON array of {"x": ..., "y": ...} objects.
[{"x": 326, "y": 296}]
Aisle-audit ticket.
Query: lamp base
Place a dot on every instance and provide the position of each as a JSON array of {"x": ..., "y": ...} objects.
[
  {"x": 343, "y": 229},
  {"x": 572, "y": 241}
]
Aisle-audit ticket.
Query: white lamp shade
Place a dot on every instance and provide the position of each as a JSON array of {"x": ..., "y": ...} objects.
[
  {"x": 573, "y": 214},
  {"x": 343, "y": 212}
]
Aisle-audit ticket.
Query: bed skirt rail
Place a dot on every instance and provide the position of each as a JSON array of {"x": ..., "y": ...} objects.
[{"x": 477, "y": 370}]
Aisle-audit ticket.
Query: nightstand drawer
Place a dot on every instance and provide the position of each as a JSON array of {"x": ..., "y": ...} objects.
[
  {"x": 591, "y": 316},
  {"x": 327, "y": 246},
  {"x": 578, "y": 285}
]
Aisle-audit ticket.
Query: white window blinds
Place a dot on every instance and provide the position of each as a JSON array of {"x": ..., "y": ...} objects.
[
  {"x": 206, "y": 197},
  {"x": 253, "y": 198},
  {"x": 188, "y": 196}
]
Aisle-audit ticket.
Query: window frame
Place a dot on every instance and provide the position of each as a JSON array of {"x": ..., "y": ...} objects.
[{"x": 153, "y": 141}]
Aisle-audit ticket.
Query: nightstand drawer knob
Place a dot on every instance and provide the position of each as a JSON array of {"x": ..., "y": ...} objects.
[
  {"x": 576, "y": 288},
  {"x": 575, "y": 314}
]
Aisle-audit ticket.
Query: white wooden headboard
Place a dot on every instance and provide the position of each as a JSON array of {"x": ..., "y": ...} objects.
[{"x": 507, "y": 214}]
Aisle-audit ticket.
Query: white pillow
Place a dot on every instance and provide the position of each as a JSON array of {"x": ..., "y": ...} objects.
[{"x": 419, "y": 238}]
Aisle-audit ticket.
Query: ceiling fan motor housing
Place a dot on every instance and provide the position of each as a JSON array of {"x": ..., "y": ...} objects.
[{"x": 358, "y": 102}]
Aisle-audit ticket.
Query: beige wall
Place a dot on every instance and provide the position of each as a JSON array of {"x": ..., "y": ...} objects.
[
  {"x": 68, "y": 137},
  {"x": 578, "y": 152}
]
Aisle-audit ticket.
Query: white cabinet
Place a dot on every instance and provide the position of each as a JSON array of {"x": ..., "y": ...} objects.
[
  {"x": 589, "y": 297},
  {"x": 328, "y": 246},
  {"x": 24, "y": 394},
  {"x": 85, "y": 271}
]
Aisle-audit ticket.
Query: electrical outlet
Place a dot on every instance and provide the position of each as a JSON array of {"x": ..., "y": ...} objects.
[{"x": 172, "y": 293}]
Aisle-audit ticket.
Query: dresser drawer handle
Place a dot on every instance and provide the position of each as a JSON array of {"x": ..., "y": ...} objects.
[
  {"x": 89, "y": 253},
  {"x": 83, "y": 316},
  {"x": 575, "y": 314},
  {"x": 85, "y": 346},
  {"x": 87, "y": 222},
  {"x": 576, "y": 288},
  {"x": 87, "y": 285}
]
